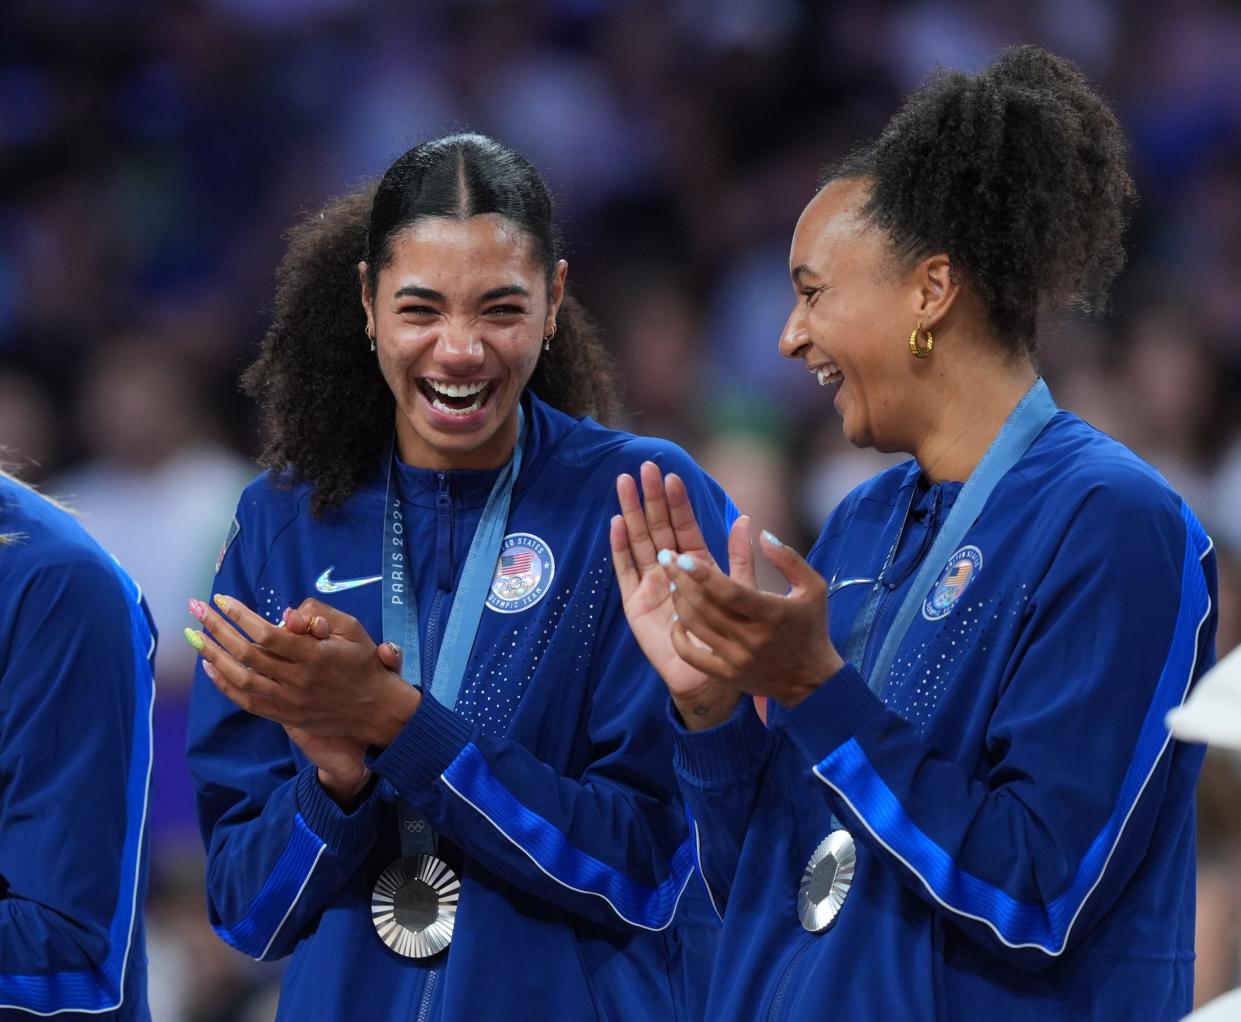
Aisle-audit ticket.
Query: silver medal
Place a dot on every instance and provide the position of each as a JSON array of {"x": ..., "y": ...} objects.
[
  {"x": 826, "y": 881},
  {"x": 414, "y": 906}
]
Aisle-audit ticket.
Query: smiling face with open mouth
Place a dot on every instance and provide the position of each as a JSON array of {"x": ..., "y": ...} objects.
[
  {"x": 853, "y": 311},
  {"x": 459, "y": 313}
]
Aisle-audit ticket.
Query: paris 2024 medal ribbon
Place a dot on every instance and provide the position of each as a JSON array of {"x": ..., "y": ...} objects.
[
  {"x": 826, "y": 881},
  {"x": 414, "y": 906}
]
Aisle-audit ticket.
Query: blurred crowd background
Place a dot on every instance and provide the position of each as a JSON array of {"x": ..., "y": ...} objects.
[{"x": 153, "y": 154}]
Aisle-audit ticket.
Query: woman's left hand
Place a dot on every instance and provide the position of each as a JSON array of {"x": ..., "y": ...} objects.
[
  {"x": 768, "y": 645},
  {"x": 335, "y": 685}
]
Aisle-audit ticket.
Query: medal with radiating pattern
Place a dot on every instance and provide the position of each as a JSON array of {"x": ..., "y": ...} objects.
[
  {"x": 414, "y": 906},
  {"x": 826, "y": 881}
]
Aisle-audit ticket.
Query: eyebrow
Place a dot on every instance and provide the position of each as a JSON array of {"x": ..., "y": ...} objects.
[
  {"x": 413, "y": 291},
  {"x": 505, "y": 292},
  {"x": 430, "y": 295},
  {"x": 802, "y": 271}
]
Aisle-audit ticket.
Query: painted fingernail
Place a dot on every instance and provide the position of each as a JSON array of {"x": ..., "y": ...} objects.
[
  {"x": 676, "y": 617},
  {"x": 771, "y": 539},
  {"x": 194, "y": 639},
  {"x": 672, "y": 587},
  {"x": 284, "y": 615},
  {"x": 665, "y": 557},
  {"x": 396, "y": 650},
  {"x": 210, "y": 671},
  {"x": 313, "y": 621},
  {"x": 685, "y": 562},
  {"x": 221, "y": 602},
  {"x": 198, "y": 609}
]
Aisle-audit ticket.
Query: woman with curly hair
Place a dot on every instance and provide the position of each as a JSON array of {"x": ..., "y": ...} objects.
[
  {"x": 966, "y": 805},
  {"x": 478, "y": 817}
]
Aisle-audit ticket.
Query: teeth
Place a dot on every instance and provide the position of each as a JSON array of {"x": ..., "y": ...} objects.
[
  {"x": 828, "y": 374},
  {"x": 457, "y": 389},
  {"x": 439, "y": 406}
]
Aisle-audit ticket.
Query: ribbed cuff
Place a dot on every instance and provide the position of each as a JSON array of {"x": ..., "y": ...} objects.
[
  {"x": 723, "y": 752},
  {"x": 432, "y": 739},
  {"x": 344, "y": 833},
  {"x": 831, "y": 715}
]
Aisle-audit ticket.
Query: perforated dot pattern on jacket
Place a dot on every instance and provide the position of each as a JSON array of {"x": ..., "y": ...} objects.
[
  {"x": 922, "y": 677},
  {"x": 557, "y": 635}
]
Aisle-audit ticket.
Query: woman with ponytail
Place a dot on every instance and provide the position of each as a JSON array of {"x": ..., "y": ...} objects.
[
  {"x": 442, "y": 781},
  {"x": 966, "y": 804}
]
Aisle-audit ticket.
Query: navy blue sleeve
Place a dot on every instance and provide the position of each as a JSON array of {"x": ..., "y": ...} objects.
[
  {"x": 76, "y": 692},
  {"x": 613, "y": 844},
  {"x": 720, "y": 772},
  {"x": 1080, "y": 763},
  {"x": 278, "y": 847}
]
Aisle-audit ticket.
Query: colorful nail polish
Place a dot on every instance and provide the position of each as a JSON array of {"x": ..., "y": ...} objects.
[
  {"x": 198, "y": 609},
  {"x": 685, "y": 562},
  {"x": 221, "y": 602},
  {"x": 194, "y": 639},
  {"x": 672, "y": 587},
  {"x": 665, "y": 557},
  {"x": 771, "y": 539}
]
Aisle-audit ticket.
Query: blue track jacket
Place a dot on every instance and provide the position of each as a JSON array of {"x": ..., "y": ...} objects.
[
  {"x": 551, "y": 783},
  {"x": 76, "y": 691},
  {"x": 1024, "y": 823}
]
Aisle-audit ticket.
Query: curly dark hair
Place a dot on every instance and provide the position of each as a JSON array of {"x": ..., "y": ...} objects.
[
  {"x": 1017, "y": 174},
  {"x": 326, "y": 410}
]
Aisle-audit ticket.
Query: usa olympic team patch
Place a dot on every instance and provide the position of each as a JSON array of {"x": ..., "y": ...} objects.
[
  {"x": 523, "y": 573},
  {"x": 963, "y": 567}
]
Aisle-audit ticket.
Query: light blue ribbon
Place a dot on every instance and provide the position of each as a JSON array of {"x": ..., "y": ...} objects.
[
  {"x": 1033, "y": 412},
  {"x": 400, "y": 608}
]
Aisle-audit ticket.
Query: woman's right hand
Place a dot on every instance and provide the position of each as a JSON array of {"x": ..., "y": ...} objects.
[
  {"x": 343, "y": 772},
  {"x": 661, "y": 518}
]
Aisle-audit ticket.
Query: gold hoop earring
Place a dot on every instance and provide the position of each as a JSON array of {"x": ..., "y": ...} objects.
[
  {"x": 917, "y": 350},
  {"x": 547, "y": 338}
]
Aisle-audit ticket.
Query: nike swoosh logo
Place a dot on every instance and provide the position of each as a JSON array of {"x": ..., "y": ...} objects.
[{"x": 324, "y": 583}]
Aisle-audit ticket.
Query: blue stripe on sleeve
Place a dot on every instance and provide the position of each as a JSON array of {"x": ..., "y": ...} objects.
[
  {"x": 103, "y": 989},
  {"x": 849, "y": 773},
  {"x": 649, "y": 908},
  {"x": 280, "y": 893}
]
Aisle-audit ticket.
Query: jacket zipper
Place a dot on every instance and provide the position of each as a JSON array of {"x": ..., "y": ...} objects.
[
  {"x": 782, "y": 989},
  {"x": 428, "y": 991},
  {"x": 869, "y": 649},
  {"x": 928, "y": 538},
  {"x": 444, "y": 529}
]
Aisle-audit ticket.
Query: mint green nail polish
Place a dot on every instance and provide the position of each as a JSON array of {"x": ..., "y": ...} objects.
[
  {"x": 665, "y": 557},
  {"x": 771, "y": 538},
  {"x": 685, "y": 562}
]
